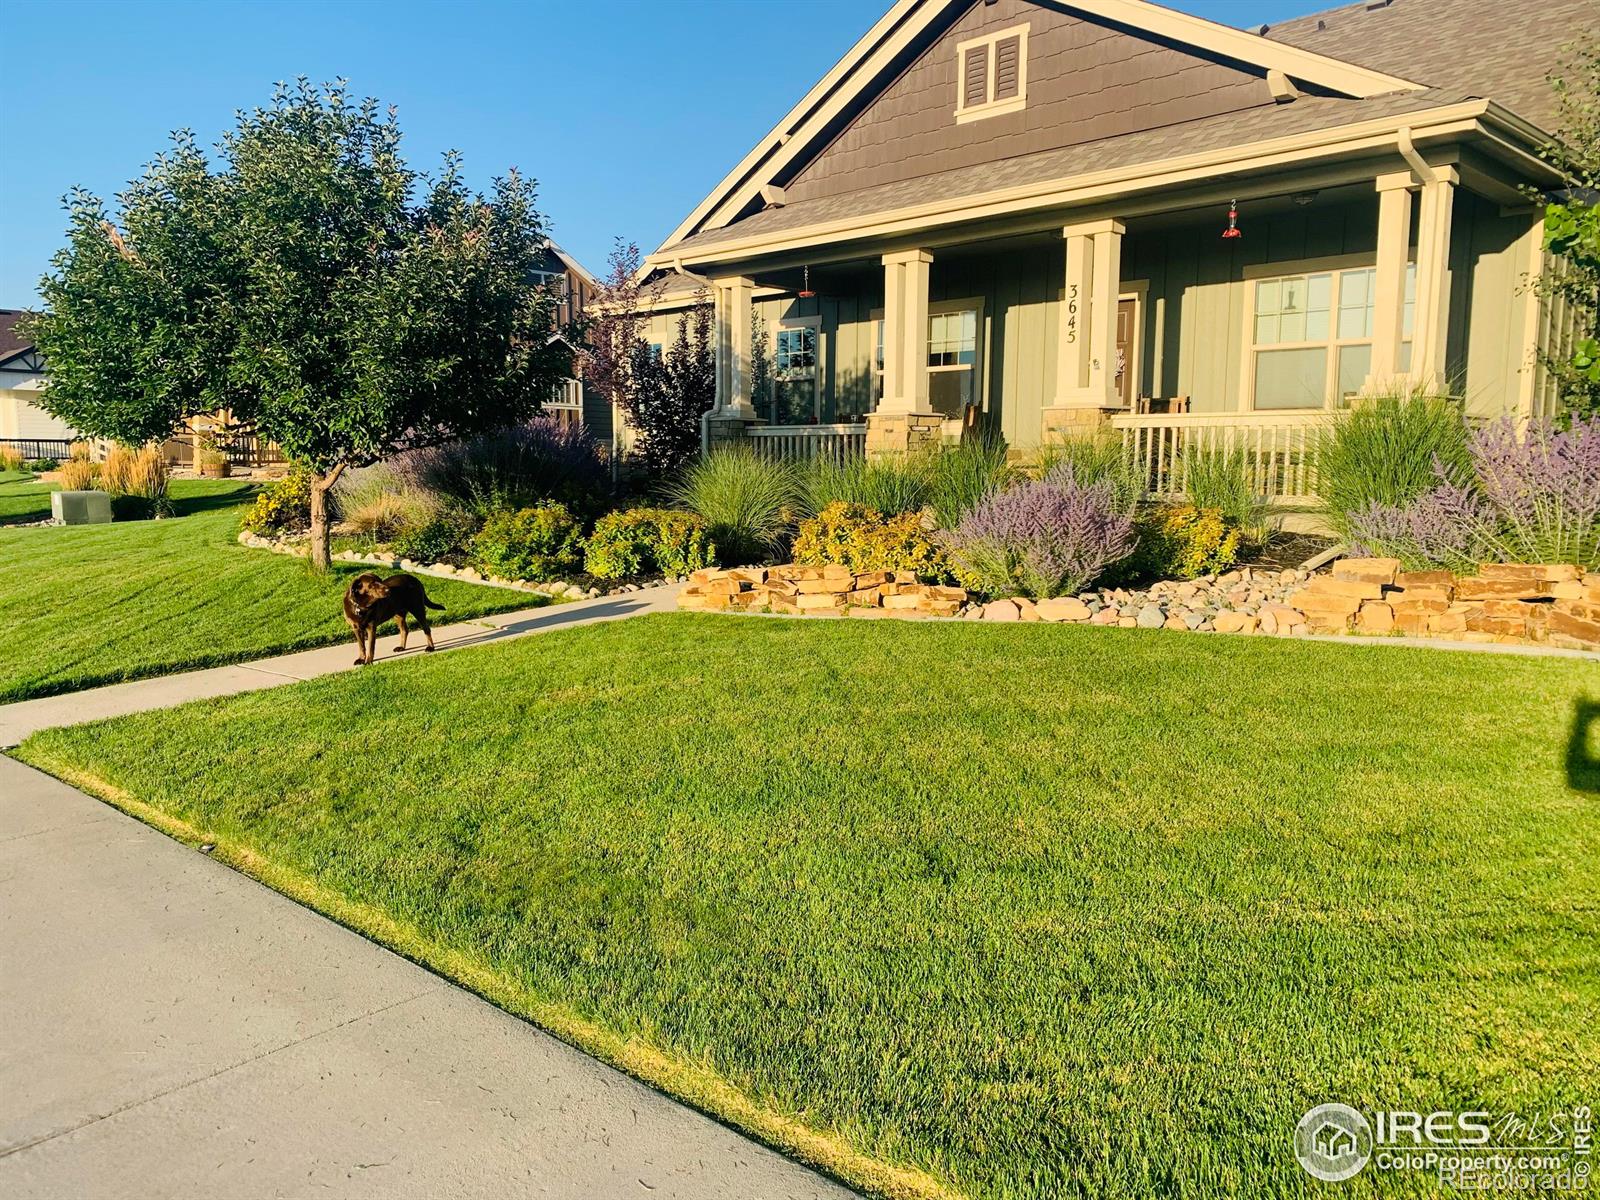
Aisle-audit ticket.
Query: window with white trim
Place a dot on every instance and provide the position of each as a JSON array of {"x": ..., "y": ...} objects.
[
  {"x": 992, "y": 74},
  {"x": 794, "y": 374},
  {"x": 1311, "y": 336},
  {"x": 952, "y": 357}
]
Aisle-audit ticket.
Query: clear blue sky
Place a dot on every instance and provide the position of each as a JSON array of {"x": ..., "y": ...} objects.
[{"x": 602, "y": 101}]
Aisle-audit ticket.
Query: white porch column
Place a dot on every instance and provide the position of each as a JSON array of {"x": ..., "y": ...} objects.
[
  {"x": 904, "y": 419},
  {"x": 1432, "y": 324},
  {"x": 1107, "y": 289},
  {"x": 732, "y": 319},
  {"x": 905, "y": 332},
  {"x": 1389, "y": 304},
  {"x": 1086, "y": 329}
]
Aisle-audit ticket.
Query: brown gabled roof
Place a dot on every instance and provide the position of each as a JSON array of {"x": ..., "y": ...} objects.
[
  {"x": 12, "y": 343},
  {"x": 1500, "y": 50}
]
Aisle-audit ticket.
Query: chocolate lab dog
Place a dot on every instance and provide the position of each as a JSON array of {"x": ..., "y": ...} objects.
[{"x": 370, "y": 601}]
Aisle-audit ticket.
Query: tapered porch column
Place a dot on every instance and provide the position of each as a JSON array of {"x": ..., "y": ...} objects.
[
  {"x": 1086, "y": 329},
  {"x": 1432, "y": 324},
  {"x": 904, "y": 419},
  {"x": 1389, "y": 303}
]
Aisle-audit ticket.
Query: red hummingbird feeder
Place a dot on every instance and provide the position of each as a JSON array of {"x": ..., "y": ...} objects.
[
  {"x": 805, "y": 292},
  {"x": 1233, "y": 230}
]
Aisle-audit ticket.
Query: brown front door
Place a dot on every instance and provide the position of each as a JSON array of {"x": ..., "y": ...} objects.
[{"x": 1127, "y": 346}]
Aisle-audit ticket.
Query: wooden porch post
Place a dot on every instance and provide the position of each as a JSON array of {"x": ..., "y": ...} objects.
[
  {"x": 732, "y": 317},
  {"x": 1431, "y": 334},
  {"x": 1086, "y": 329},
  {"x": 904, "y": 419},
  {"x": 1394, "y": 254}
]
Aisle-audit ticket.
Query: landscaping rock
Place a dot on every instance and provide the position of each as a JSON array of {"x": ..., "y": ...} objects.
[
  {"x": 1000, "y": 610},
  {"x": 1064, "y": 608},
  {"x": 1150, "y": 617}
]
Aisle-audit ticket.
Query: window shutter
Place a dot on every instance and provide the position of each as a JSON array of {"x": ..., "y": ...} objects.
[
  {"x": 975, "y": 77},
  {"x": 1007, "y": 67}
]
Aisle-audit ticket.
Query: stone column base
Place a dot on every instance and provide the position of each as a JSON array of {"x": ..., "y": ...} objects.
[
  {"x": 1075, "y": 421},
  {"x": 902, "y": 433},
  {"x": 723, "y": 429}
]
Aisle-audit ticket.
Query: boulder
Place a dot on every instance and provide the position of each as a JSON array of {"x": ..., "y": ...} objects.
[
  {"x": 1065, "y": 608},
  {"x": 1001, "y": 610}
]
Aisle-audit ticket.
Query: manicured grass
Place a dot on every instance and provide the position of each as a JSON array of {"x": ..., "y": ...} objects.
[
  {"x": 95, "y": 604},
  {"x": 24, "y": 498},
  {"x": 1019, "y": 911}
]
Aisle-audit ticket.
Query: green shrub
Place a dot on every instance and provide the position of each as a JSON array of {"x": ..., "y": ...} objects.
[
  {"x": 442, "y": 536},
  {"x": 1383, "y": 451},
  {"x": 965, "y": 475},
  {"x": 1185, "y": 542},
  {"x": 1094, "y": 458},
  {"x": 283, "y": 506},
  {"x": 747, "y": 502},
  {"x": 42, "y": 464},
  {"x": 890, "y": 484},
  {"x": 1221, "y": 479},
  {"x": 648, "y": 541},
  {"x": 863, "y": 539},
  {"x": 539, "y": 543}
]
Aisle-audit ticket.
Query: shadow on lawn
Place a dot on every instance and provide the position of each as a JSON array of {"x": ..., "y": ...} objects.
[
  {"x": 187, "y": 506},
  {"x": 1583, "y": 760}
]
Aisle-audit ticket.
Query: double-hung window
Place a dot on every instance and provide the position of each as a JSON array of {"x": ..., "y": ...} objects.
[
  {"x": 1311, "y": 336},
  {"x": 794, "y": 374},
  {"x": 952, "y": 357}
]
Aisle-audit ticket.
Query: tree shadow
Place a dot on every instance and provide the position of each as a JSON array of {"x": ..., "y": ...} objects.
[
  {"x": 185, "y": 506},
  {"x": 1583, "y": 747}
]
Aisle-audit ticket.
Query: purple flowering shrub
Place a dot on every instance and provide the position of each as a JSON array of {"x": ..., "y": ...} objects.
[
  {"x": 1530, "y": 498},
  {"x": 1050, "y": 537}
]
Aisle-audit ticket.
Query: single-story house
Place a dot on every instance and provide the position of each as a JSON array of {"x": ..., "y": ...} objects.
[
  {"x": 1044, "y": 215},
  {"x": 24, "y": 426}
]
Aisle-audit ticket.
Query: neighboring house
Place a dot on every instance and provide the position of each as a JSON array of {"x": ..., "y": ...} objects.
[
  {"x": 24, "y": 425},
  {"x": 576, "y": 288},
  {"x": 1017, "y": 212}
]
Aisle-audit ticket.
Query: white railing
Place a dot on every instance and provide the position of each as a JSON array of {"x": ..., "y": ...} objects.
[
  {"x": 802, "y": 443},
  {"x": 1280, "y": 448}
]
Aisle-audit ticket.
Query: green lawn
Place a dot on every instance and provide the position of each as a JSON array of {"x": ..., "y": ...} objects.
[
  {"x": 23, "y": 498},
  {"x": 93, "y": 604},
  {"x": 982, "y": 910}
]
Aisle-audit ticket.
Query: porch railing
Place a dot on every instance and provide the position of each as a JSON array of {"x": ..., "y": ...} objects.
[
  {"x": 1280, "y": 449},
  {"x": 37, "y": 448},
  {"x": 802, "y": 443}
]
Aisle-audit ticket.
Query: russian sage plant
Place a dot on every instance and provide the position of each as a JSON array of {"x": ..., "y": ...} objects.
[{"x": 1049, "y": 537}]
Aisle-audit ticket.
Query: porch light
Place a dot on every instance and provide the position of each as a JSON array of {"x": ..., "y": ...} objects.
[
  {"x": 1233, "y": 230},
  {"x": 805, "y": 292}
]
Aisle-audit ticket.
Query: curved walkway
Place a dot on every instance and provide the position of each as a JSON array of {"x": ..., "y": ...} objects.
[
  {"x": 171, "y": 1028},
  {"x": 25, "y": 717}
]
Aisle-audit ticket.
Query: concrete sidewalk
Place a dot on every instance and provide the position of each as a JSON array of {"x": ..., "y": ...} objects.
[
  {"x": 170, "y": 1028},
  {"x": 25, "y": 717}
]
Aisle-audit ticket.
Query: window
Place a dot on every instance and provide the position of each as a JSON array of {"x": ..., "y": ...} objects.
[
  {"x": 794, "y": 375},
  {"x": 568, "y": 394},
  {"x": 952, "y": 357},
  {"x": 992, "y": 74},
  {"x": 1311, "y": 338}
]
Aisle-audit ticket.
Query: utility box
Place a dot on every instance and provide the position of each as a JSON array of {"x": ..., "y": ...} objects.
[{"x": 80, "y": 508}]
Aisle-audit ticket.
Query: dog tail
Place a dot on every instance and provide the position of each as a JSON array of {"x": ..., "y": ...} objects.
[{"x": 427, "y": 603}]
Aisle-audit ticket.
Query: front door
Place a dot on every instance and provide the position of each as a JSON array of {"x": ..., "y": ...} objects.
[{"x": 1127, "y": 348}]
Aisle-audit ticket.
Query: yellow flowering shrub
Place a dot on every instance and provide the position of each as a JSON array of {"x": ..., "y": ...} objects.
[
  {"x": 1185, "y": 542},
  {"x": 863, "y": 539}
]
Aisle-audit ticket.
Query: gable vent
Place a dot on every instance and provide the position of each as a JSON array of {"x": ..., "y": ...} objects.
[
  {"x": 1007, "y": 60},
  {"x": 977, "y": 81}
]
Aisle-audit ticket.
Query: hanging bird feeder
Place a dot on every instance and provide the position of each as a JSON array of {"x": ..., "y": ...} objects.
[
  {"x": 805, "y": 289},
  {"x": 1233, "y": 230}
]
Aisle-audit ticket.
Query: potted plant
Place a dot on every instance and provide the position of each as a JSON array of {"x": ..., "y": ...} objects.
[{"x": 210, "y": 459}]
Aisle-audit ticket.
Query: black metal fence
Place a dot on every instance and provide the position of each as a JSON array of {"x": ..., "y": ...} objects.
[{"x": 37, "y": 448}]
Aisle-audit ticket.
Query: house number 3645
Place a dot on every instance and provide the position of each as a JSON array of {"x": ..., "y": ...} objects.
[{"x": 1072, "y": 313}]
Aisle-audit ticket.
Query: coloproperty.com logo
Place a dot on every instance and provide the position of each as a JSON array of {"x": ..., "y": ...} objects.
[{"x": 1474, "y": 1151}]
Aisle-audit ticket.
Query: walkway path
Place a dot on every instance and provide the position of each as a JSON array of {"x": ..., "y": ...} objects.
[
  {"x": 19, "y": 720},
  {"x": 169, "y": 1027}
]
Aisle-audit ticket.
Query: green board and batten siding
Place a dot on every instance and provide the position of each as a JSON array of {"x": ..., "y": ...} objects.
[{"x": 1201, "y": 283}]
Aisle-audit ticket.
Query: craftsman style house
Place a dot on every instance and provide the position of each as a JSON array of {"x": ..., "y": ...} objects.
[{"x": 1042, "y": 215}]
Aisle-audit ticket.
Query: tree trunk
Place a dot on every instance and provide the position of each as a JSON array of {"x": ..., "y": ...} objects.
[{"x": 321, "y": 485}]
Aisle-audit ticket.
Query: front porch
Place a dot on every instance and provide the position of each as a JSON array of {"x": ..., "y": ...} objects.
[{"x": 1149, "y": 322}]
